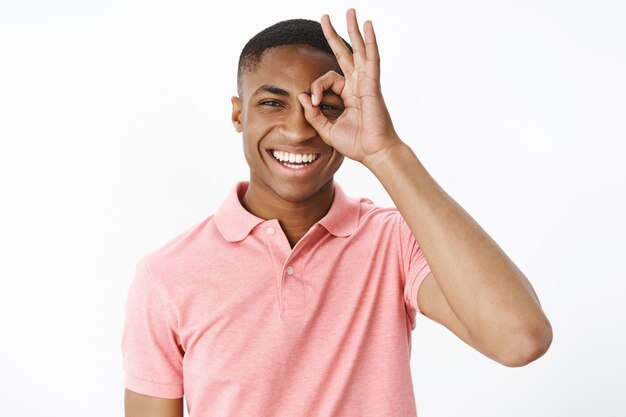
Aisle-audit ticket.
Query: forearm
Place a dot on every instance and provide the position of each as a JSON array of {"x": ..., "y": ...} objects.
[
  {"x": 139, "y": 405},
  {"x": 484, "y": 288}
]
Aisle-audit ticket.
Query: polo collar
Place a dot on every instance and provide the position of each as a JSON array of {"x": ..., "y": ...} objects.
[
  {"x": 235, "y": 222},
  {"x": 343, "y": 217}
]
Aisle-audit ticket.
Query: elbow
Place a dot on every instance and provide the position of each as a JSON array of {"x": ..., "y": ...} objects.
[{"x": 528, "y": 346}]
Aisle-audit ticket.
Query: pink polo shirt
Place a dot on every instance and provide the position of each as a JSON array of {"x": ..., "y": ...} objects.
[{"x": 228, "y": 314}]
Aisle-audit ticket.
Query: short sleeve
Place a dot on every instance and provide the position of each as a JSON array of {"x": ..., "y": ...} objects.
[
  {"x": 151, "y": 351},
  {"x": 415, "y": 265}
]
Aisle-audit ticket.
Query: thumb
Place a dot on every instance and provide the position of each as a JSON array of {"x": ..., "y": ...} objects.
[{"x": 315, "y": 117}]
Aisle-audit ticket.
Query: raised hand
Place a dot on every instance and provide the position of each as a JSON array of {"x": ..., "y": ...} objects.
[{"x": 364, "y": 131}]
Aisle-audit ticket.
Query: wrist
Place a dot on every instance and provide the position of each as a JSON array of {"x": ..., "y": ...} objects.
[{"x": 384, "y": 155}]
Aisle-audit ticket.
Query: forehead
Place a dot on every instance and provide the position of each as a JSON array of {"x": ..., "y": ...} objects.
[{"x": 290, "y": 67}]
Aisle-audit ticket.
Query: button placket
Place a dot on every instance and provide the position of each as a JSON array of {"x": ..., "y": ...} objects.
[
  {"x": 293, "y": 290},
  {"x": 290, "y": 283},
  {"x": 278, "y": 257}
]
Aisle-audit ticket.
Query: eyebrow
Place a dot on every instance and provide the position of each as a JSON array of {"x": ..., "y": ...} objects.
[
  {"x": 271, "y": 90},
  {"x": 280, "y": 92}
]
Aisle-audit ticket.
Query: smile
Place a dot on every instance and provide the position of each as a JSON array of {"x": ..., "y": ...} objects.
[{"x": 294, "y": 160}]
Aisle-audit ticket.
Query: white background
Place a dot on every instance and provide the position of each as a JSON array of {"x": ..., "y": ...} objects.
[{"x": 115, "y": 136}]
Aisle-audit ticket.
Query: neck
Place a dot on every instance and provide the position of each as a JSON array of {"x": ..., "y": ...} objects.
[{"x": 295, "y": 215}]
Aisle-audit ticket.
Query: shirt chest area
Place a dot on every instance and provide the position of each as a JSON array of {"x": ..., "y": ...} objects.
[{"x": 265, "y": 285}]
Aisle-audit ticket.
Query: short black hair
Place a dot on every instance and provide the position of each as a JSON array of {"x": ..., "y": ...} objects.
[{"x": 286, "y": 32}]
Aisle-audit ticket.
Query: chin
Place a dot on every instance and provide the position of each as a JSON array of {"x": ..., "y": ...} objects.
[{"x": 295, "y": 194}]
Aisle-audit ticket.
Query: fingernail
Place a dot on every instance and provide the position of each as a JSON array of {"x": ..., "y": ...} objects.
[{"x": 313, "y": 100}]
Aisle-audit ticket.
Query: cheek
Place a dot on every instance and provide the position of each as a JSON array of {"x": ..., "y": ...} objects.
[
  {"x": 336, "y": 162},
  {"x": 250, "y": 148},
  {"x": 257, "y": 127},
  {"x": 253, "y": 136}
]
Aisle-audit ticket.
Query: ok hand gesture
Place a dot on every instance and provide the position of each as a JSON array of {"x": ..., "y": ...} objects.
[{"x": 364, "y": 131}]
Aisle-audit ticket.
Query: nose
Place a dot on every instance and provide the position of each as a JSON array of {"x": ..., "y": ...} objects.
[{"x": 295, "y": 127}]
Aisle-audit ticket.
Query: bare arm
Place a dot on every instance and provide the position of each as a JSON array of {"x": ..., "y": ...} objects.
[
  {"x": 139, "y": 405},
  {"x": 475, "y": 289}
]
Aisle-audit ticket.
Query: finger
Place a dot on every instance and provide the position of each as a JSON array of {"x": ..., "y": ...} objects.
[
  {"x": 329, "y": 81},
  {"x": 315, "y": 117},
  {"x": 358, "y": 46},
  {"x": 372, "y": 65},
  {"x": 341, "y": 51}
]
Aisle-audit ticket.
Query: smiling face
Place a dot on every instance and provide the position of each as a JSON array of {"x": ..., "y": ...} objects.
[{"x": 271, "y": 120}]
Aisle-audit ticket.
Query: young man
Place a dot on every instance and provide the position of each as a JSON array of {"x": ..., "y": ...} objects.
[{"x": 295, "y": 299}]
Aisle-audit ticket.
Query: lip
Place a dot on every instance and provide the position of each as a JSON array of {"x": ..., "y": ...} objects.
[
  {"x": 302, "y": 152},
  {"x": 297, "y": 173}
]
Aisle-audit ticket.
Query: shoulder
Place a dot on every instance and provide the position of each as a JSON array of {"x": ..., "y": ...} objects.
[
  {"x": 378, "y": 222},
  {"x": 171, "y": 257},
  {"x": 374, "y": 215}
]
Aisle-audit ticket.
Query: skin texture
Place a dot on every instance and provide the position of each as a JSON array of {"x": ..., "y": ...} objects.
[
  {"x": 473, "y": 289},
  {"x": 138, "y": 405}
]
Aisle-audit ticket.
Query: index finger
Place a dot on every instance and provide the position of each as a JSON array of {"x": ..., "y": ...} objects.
[{"x": 341, "y": 51}]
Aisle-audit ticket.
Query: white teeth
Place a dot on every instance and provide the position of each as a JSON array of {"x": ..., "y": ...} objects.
[
  {"x": 295, "y": 166},
  {"x": 292, "y": 157}
]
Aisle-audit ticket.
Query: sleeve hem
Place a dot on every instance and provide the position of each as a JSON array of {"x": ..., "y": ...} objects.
[
  {"x": 417, "y": 282},
  {"x": 153, "y": 389}
]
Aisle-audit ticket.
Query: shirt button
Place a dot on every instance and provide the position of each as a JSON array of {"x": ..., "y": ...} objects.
[
  {"x": 270, "y": 231},
  {"x": 290, "y": 270}
]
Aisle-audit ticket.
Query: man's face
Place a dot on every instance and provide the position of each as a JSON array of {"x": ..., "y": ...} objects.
[{"x": 271, "y": 119}]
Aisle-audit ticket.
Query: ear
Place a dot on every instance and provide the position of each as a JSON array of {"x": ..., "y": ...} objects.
[{"x": 236, "y": 114}]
